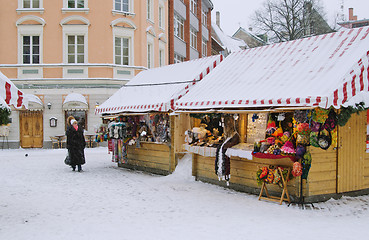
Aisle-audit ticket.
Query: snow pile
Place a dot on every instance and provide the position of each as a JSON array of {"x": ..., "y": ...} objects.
[
  {"x": 183, "y": 170},
  {"x": 41, "y": 198},
  {"x": 227, "y": 42}
]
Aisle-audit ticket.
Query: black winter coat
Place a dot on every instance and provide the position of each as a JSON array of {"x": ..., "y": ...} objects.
[{"x": 76, "y": 144}]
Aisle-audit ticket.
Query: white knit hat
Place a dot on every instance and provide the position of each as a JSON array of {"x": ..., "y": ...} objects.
[{"x": 72, "y": 121}]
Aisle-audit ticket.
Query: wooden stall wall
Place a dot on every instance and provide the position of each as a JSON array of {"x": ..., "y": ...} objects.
[
  {"x": 150, "y": 157},
  {"x": 179, "y": 124},
  {"x": 322, "y": 178},
  {"x": 243, "y": 175},
  {"x": 352, "y": 174},
  {"x": 366, "y": 161}
]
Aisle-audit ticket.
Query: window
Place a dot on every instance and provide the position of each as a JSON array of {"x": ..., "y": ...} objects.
[
  {"x": 31, "y": 49},
  {"x": 178, "y": 26},
  {"x": 149, "y": 10},
  {"x": 193, "y": 6},
  {"x": 204, "y": 47},
  {"x": 149, "y": 56},
  {"x": 161, "y": 57},
  {"x": 161, "y": 17},
  {"x": 121, "y": 5},
  {"x": 204, "y": 17},
  {"x": 80, "y": 116},
  {"x": 76, "y": 4},
  {"x": 31, "y": 3},
  {"x": 76, "y": 49},
  {"x": 121, "y": 51},
  {"x": 178, "y": 58},
  {"x": 193, "y": 38}
]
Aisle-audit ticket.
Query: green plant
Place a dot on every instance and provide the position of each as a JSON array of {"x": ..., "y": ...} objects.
[{"x": 4, "y": 116}]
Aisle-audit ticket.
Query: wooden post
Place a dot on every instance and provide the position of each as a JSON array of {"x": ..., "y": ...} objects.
[{"x": 242, "y": 126}]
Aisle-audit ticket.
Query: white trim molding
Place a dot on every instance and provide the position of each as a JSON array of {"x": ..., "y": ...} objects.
[
  {"x": 23, "y": 19},
  {"x": 65, "y": 21},
  {"x": 115, "y": 23}
]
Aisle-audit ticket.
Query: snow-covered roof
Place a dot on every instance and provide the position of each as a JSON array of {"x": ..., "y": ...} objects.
[
  {"x": 324, "y": 70},
  {"x": 10, "y": 93},
  {"x": 241, "y": 29},
  {"x": 156, "y": 89},
  {"x": 230, "y": 43}
]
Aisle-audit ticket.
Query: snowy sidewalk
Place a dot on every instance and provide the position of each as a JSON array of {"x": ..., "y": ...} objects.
[{"x": 41, "y": 198}]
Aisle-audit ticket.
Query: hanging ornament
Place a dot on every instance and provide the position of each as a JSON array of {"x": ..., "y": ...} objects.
[
  {"x": 254, "y": 117},
  {"x": 281, "y": 117}
]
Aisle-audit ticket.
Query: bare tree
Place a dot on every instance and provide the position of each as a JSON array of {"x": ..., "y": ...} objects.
[{"x": 285, "y": 20}]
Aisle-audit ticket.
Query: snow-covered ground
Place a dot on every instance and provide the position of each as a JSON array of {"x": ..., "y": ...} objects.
[{"x": 42, "y": 199}]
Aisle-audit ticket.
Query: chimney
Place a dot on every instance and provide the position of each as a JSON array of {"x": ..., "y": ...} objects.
[
  {"x": 218, "y": 18},
  {"x": 250, "y": 29},
  {"x": 351, "y": 15}
]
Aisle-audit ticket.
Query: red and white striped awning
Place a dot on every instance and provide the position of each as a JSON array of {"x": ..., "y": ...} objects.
[
  {"x": 326, "y": 70},
  {"x": 157, "y": 89},
  {"x": 10, "y": 93}
]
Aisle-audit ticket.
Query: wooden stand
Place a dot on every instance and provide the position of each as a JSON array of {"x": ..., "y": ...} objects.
[{"x": 284, "y": 196}]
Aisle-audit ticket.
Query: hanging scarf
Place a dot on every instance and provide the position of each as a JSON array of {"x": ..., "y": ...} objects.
[{"x": 222, "y": 161}]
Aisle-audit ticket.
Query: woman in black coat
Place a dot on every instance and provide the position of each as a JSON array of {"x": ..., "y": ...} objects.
[{"x": 75, "y": 144}]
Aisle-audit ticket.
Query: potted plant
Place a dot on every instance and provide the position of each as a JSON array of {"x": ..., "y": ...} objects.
[{"x": 4, "y": 121}]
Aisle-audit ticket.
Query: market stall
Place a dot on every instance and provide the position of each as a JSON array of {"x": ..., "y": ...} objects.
[
  {"x": 142, "y": 133},
  {"x": 10, "y": 93},
  {"x": 302, "y": 101}
]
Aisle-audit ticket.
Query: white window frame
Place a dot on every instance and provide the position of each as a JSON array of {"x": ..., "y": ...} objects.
[
  {"x": 162, "y": 57},
  {"x": 204, "y": 46},
  {"x": 161, "y": 17},
  {"x": 178, "y": 26},
  {"x": 204, "y": 17},
  {"x": 193, "y": 38},
  {"x": 30, "y": 30},
  {"x": 178, "y": 58},
  {"x": 21, "y": 4},
  {"x": 193, "y": 6},
  {"x": 75, "y": 9},
  {"x": 77, "y": 29},
  {"x": 21, "y": 7},
  {"x": 75, "y": 45},
  {"x": 124, "y": 33},
  {"x": 150, "y": 50},
  {"x": 31, "y": 47},
  {"x": 122, "y": 55},
  {"x": 150, "y": 10},
  {"x": 130, "y": 7}
]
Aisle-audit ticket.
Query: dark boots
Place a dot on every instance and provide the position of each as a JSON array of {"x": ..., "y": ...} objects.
[{"x": 79, "y": 168}]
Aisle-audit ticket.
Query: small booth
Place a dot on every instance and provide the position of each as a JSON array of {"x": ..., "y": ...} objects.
[
  {"x": 293, "y": 118},
  {"x": 141, "y": 131},
  {"x": 10, "y": 97}
]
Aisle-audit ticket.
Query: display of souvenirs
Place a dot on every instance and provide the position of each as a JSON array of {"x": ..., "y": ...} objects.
[
  {"x": 102, "y": 133},
  {"x": 288, "y": 148},
  {"x": 297, "y": 169},
  {"x": 210, "y": 132},
  {"x": 271, "y": 175},
  {"x": 130, "y": 130}
]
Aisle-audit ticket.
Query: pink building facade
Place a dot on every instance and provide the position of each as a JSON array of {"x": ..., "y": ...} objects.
[{"x": 88, "y": 48}]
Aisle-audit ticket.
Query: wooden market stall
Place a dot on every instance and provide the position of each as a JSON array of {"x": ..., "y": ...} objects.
[
  {"x": 144, "y": 133},
  {"x": 308, "y": 81}
]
